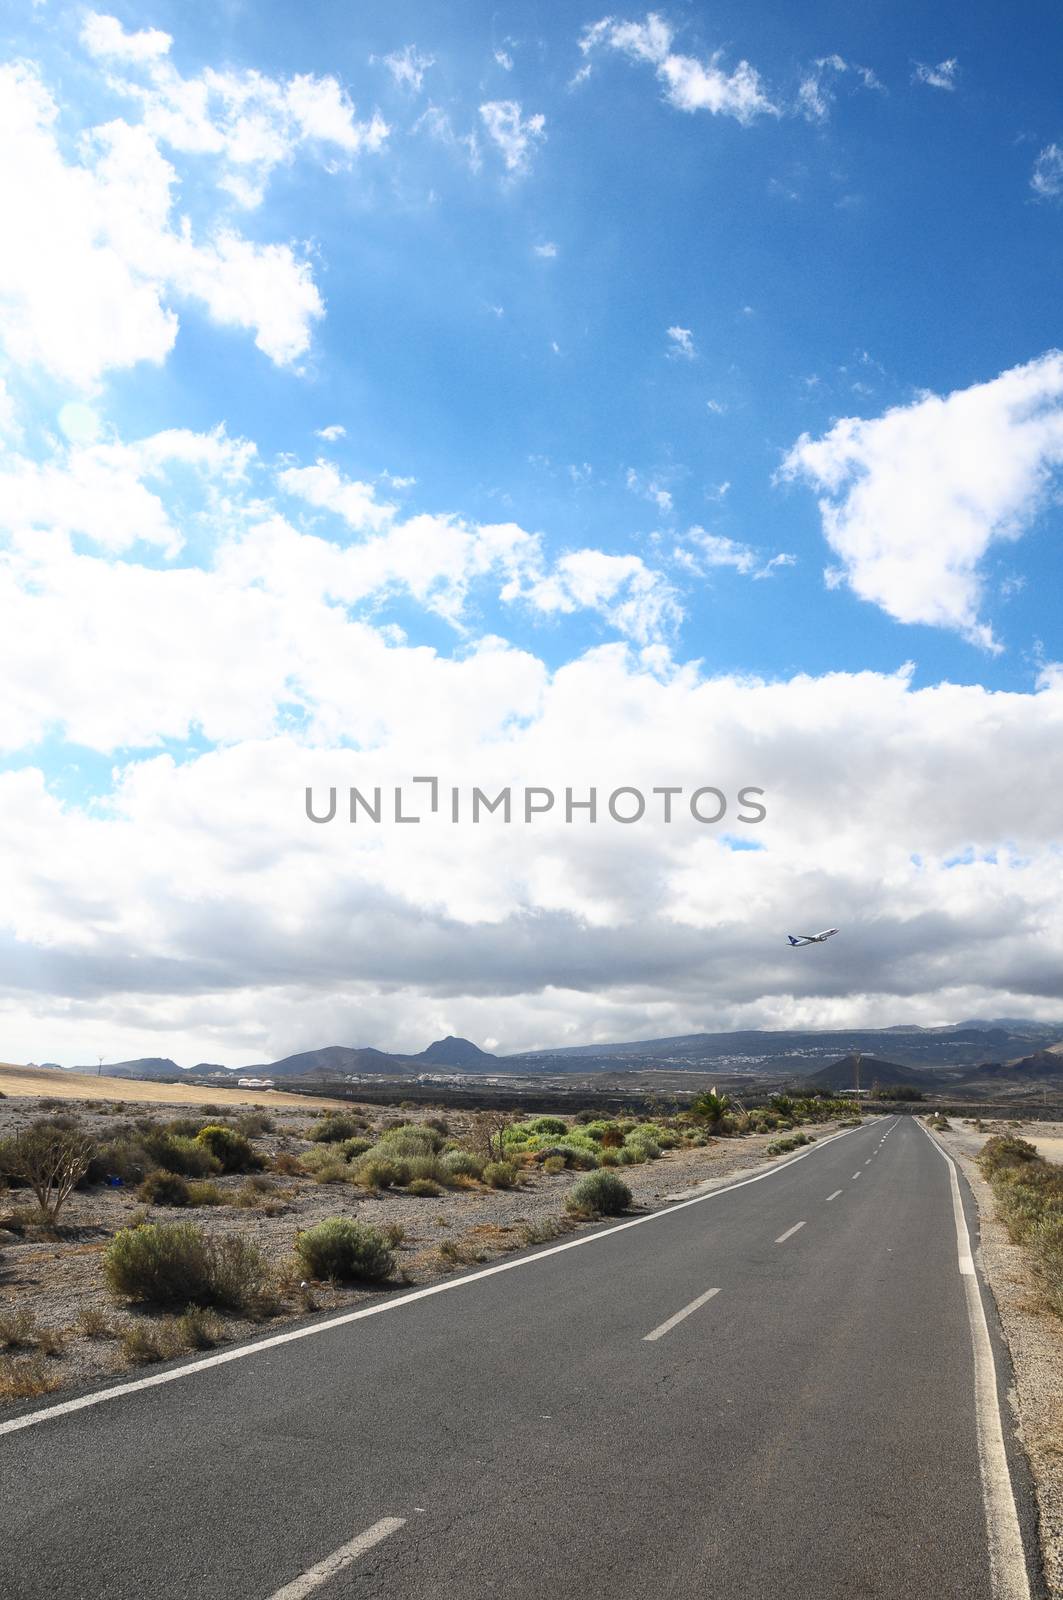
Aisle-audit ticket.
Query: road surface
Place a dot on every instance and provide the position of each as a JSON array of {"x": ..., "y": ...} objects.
[{"x": 773, "y": 1390}]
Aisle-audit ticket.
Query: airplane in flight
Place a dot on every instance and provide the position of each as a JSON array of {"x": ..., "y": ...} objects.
[{"x": 812, "y": 938}]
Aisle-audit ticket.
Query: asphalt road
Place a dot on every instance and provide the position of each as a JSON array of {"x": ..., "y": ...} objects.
[{"x": 809, "y": 1429}]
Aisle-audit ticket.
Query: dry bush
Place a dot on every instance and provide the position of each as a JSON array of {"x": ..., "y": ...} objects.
[
  {"x": 24, "y": 1378},
  {"x": 52, "y": 1160}
]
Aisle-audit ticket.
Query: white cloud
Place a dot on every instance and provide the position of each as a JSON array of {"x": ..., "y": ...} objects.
[
  {"x": 913, "y": 500},
  {"x": 689, "y": 84},
  {"x": 546, "y": 251},
  {"x": 649, "y": 489},
  {"x": 717, "y": 407},
  {"x": 681, "y": 343},
  {"x": 334, "y": 431},
  {"x": 408, "y": 67},
  {"x": 515, "y": 135},
  {"x": 437, "y": 124},
  {"x": 636, "y": 600},
  {"x": 1047, "y": 176},
  {"x": 711, "y": 550},
  {"x": 504, "y": 60},
  {"x": 817, "y": 91},
  {"x": 943, "y": 76},
  {"x": 250, "y": 122},
  {"x": 94, "y": 256}
]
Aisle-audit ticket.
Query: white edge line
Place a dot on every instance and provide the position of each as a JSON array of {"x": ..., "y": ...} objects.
[
  {"x": 315, "y": 1576},
  {"x": 83, "y": 1402},
  {"x": 1007, "y": 1557},
  {"x": 789, "y": 1233},
  {"x": 666, "y": 1327}
]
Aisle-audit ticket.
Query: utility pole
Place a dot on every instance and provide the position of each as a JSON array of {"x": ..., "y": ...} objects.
[
  {"x": 99, "y": 1067},
  {"x": 856, "y": 1070}
]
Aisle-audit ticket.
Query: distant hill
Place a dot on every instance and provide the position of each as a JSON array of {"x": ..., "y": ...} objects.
[
  {"x": 334, "y": 1061},
  {"x": 154, "y": 1068},
  {"x": 842, "y": 1074},
  {"x": 1043, "y": 1066},
  {"x": 454, "y": 1052}
]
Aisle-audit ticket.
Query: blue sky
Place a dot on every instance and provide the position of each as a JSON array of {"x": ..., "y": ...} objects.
[{"x": 716, "y": 336}]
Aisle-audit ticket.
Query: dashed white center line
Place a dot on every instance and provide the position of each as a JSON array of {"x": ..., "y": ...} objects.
[
  {"x": 315, "y": 1576},
  {"x": 789, "y": 1233},
  {"x": 666, "y": 1327},
  {"x": 856, "y": 1174},
  {"x": 835, "y": 1195}
]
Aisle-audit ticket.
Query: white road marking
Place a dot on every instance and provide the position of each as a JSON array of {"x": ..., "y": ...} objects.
[
  {"x": 314, "y": 1577},
  {"x": 1007, "y": 1560},
  {"x": 789, "y": 1233},
  {"x": 666, "y": 1327},
  {"x": 856, "y": 1174},
  {"x": 447, "y": 1286},
  {"x": 835, "y": 1195}
]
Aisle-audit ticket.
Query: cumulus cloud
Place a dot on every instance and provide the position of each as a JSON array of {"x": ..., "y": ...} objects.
[
  {"x": 943, "y": 76},
  {"x": 689, "y": 84},
  {"x": 701, "y": 551},
  {"x": 912, "y": 501},
  {"x": 515, "y": 135},
  {"x": 249, "y": 122},
  {"x": 95, "y": 258}
]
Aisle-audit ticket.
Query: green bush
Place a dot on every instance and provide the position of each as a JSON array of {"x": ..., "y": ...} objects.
[
  {"x": 410, "y": 1139},
  {"x": 164, "y": 1189},
  {"x": 573, "y": 1155},
  {"x": 424, "y": 1188},
  {"x": 235, "y": 1153},
  {"x": 351, "y": 1149},
  {"x": 463, "y": 1164},
  {"x": 175, "y": 1264},
  {"x": 204, "y": 1192},
  {"x": 553, "y": 1165},
  {"x": 335, "y": 1127},
  {"x": 177, "y": 1152},
  {"x": 374, "y": 1173},
  {"x": 1005, "y": 1150},
  {"x": 782, "y": 1147},
  {"x": 349, "y": 1251},
  {"x": 500, "y": 1174},
  {"x": 600, "y": 1193}
]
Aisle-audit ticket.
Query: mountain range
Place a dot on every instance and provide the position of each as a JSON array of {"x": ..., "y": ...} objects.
[{"x": 971, "y": 1051}]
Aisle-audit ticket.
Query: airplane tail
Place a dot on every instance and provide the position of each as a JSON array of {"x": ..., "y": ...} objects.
[{"x": 792, "y": 939}]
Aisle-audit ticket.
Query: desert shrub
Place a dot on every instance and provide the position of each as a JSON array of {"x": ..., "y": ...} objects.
[
  {"x": 374, "y": 1173},
  {"x": 710, "y": 1106},
  {"x": 18, "y": 1329},
  {"x": 198, "y": 1330},
  {"x": 599, "y": 1193},
  {"x": 184, "y": 1127},
  {"x": 205, "y": 1192},
  {"x": 500, "y": 1174},
  {"x": 349, "y": 1251},
  {"x": 548, "y": 1125},
  {"x": 255, "y": 1191},
  {"x": 543, "y": 1231},
  {"x": 856, "y": 1122},
  {"x": 609, "y": 1158},
  {"x": 325, "y": 1164},
  {"x": 95, "y": 1324},
  {"x": 1005, "y": 1150},
  {"x": 174, "y": 1264},
  {"x": 573, "y": 1155},
  {"x": 146, "y": 1342},
  {"x": 178, "y": 1152},
  {"x": 641, "y": 1140},
  {"x": 253, "y": 1124},
  {"x": 232, "y": 1149},
  {"x": 23, "y": 1378},
  {"x": 334, "y": 1127},
  {"x": 164, "y": 1189},
  {"x": 424, "y": 1188},
  {"x": 287, "y": 1164},
  {"x": 553, "y": 1165},
  {"x": 408, "y": 1140},
  {"x": 463, "y": 1164},
  {"x": 793, "y": 1141},
  {"x": 351, "y": 1149}
]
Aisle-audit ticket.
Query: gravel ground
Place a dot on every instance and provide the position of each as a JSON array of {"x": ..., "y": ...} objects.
[
  {"x": 1034, "y": 1335},
  {"x": 59, "y": 1279}
]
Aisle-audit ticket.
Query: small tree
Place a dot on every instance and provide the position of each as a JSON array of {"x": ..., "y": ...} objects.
[
  {"x": 710, "y": 1107},
  {"x": 52, "y": 1160},
  {"x": 488, "y": 1131}
]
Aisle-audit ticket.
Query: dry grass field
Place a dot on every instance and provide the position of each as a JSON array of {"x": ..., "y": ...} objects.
[{"x": 85, "y": 1086}]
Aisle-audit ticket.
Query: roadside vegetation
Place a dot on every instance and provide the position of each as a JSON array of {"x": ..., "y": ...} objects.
[
  {"x": 1029, "y": 1197},
  {"x": 183, "y": 1230}
]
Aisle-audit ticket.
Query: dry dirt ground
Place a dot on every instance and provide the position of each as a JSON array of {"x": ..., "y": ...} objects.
[
  {"x": 1034, "y": 1334},
  {"x": 82, "y": 1086},
  {"x": 58, "y": 1278}
]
